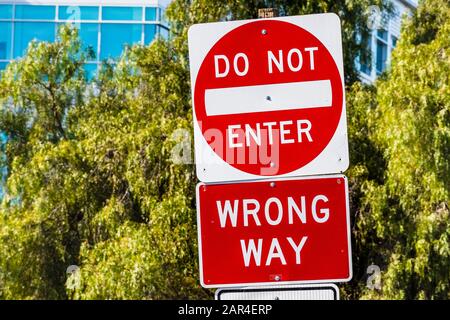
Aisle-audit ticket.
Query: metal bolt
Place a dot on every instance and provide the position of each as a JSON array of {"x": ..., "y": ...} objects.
[
  {"x": 264, "y": 31},
  {"x": 272, "y": 164},
  {"x": 339, "y": 181},
  {"x": 277, "y": 298},
  {"x": 269, "y": 98},
  {"x": 277, "y": 278},
  {"x": 272, "y": 184}
]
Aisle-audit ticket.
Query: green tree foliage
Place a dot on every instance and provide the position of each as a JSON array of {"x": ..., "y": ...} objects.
[
  {"x": 98, "y": 188},
  {"x": 92, "y": 182},
  {"x": 35, "y": 225},
  {"x": 353, "y": 13},
  {"x": 401, "y": 172}
]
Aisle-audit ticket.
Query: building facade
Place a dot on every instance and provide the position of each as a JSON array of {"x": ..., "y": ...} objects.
[
  {"x": 108, "y": 25},
  {"x": 383, "y": 39},
  {"x": 104, "y": 25}
]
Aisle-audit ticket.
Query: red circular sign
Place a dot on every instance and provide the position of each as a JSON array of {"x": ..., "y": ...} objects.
[{"x": 297, "y": 56}]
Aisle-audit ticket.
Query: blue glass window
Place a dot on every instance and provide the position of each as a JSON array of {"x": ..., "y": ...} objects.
[
  {"x": 150, "y": 31},
  {"x": 35, "y": 12},
  {"x": 90, "y": 70},
  {"x": 3, "y": 65},
  {"x": 115, "y": 36},
  {"x": 78, "y": 13},
  {"x": 88, "y": 33},
  {"x": 381, "y": 56},
  {"x": 365, "y": 67},
  {"x": 6, "y": 11},
  {"x": 382, "y": 34},
  {"x": 24, "y": 32},
  {"x": 122, "y": 13},
  {"x": 163, "y": 32},
  {"x": 366, "y": 63},
  {"x": 5, "y": 40},
  {"x": 394, "y": 41},
  {"x": 150, "y": 14}
]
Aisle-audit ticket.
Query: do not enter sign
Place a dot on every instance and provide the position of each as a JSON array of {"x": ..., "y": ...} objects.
[{"x": 268, "y": 98}]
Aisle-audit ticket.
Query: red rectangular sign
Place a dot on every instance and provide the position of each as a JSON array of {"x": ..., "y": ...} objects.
[{"x": 274, "y": 232}]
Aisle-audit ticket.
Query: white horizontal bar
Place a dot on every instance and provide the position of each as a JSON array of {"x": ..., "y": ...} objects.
[{"x": 269, "y": 97}]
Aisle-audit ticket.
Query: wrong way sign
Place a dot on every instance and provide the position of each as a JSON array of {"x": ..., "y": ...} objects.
[
  {"x": 274, "y": 232},
  {"x": 268, "y": 98}
]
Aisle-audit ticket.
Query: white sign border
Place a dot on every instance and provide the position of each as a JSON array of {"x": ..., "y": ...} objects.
[{"x": 250, "y": 284}]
